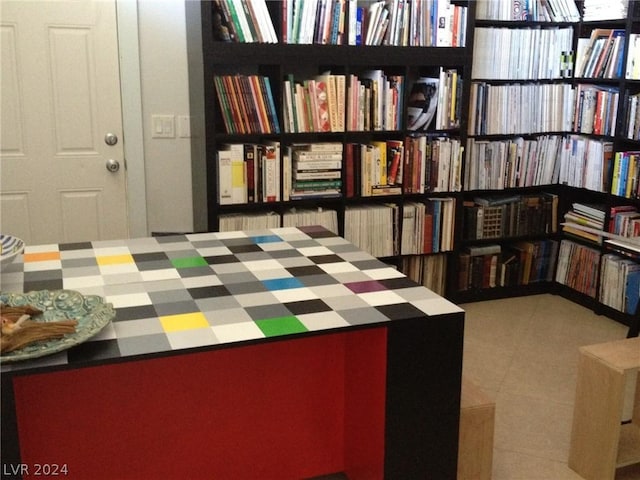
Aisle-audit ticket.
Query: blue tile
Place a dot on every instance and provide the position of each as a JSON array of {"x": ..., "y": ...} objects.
[{"x": 282, "y": 283}]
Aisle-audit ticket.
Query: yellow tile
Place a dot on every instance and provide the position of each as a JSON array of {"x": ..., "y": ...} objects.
[
  {"x": 41, "y": 256},
  {"x": 114, "y": 259},
  {"x": 184, "y": 321}
]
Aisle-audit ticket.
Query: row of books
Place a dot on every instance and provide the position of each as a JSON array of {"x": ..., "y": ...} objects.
[
  {"x": 246, "y": 103},
  {"x": 246, "y": 21},
  {"x": 512, "y": 163},
  {"x": 523, "y": 53},
  {"x": 528, "y": 10},
  {"x": 601, "y": 55},
  {"x": 495, "y": 265},
  {"x": 596, "y": 110},
  {"x": 624, "y": 220},
  {"x": 314, "y": 105},
  {"x": 507, "y": 216},
  {"x": 578, "y": 267},
  {"x": 314, "y": 21},
  {"x": 631, "y": 126},
  {"x": 431, "y": 164},
  {"x": 426, "y": 23},
  {"x": 626, "y": 173},
  {"x": 294, "y": 217},
  {"x": 429, "y": 23},
  {"x": 632, "y": 71},
  {"x": 374, "y": 101},
  {"x": 373, "y": 228},
  {"x": 585, "y": 163},
  {"x": 497, "y": 109},
  {"x": 248, "y": 173},
  {"x": 438, "y": 98},
  {"x": 427, "y": 270},
  {"x": 427, "y": 227},
  {"x": 419, "y": 164},
  {"x": 619, "y": 283}
]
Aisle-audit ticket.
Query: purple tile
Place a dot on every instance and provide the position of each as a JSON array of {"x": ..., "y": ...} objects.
[{"x": 365, "y": 287}]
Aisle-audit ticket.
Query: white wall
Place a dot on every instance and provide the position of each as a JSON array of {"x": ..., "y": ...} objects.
[{"x": 165, "y": 91}]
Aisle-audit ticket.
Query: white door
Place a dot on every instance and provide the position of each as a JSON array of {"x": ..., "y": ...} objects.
[{"x": 60, "y": 98}]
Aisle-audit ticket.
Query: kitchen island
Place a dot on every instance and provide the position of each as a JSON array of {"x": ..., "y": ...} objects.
[{"x": 273, "y": 354}]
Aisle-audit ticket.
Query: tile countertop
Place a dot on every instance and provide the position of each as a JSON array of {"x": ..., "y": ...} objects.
[{"x": 200, "y": 290}]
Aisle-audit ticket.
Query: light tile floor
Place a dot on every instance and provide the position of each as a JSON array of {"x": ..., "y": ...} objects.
[{"x": 523, "y": 352}]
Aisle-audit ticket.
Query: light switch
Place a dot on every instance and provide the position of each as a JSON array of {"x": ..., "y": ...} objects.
[
  {"x": 163, "y": 126},
  {"x": 184, "y": 126}
]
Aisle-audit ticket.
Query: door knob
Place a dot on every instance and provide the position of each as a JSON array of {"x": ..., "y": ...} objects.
[
  {"x": 110, "y": 139},
  {"x": 113, "y": 165}
]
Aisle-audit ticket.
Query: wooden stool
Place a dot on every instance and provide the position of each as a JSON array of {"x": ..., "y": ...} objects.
[
  {"x": 599, "y": 442},
  {"x": 475, "y": 443}
]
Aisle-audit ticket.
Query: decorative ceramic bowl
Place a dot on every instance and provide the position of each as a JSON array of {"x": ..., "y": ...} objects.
[
  {"x": 11, "y": 248},
  {"x": 90, "y": 311}
]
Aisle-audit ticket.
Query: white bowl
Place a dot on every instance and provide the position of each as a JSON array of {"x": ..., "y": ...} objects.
[{"x": 11, "y": 248}]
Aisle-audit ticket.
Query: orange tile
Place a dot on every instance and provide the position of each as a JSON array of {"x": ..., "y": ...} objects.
[{"x": 41, "y": 256}]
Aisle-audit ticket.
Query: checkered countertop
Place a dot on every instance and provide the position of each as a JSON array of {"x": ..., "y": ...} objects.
[{"x": 188, "y": 291}]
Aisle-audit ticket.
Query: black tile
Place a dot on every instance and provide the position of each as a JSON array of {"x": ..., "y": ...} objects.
[
  {"x": 96, "y": 350},
  {"x": 221, "y": 259},
  {"x": 208, "y": 292},
  {"x": 400, "y": 311},
  {"x": 75, "y": 246},
  {"x": 307, "y": 306},
  {"x": 135, "y": 313},
  {"x": 331, "y": 258},
  {"x": 305, "y": 271},
  {"x": 54, "y": 284}
]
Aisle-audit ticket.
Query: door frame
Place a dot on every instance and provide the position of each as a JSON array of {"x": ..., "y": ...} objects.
[{"x": 132, "y": 119}]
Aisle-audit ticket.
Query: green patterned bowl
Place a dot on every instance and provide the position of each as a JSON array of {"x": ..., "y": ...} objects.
[{"x": 90, "y": 311}]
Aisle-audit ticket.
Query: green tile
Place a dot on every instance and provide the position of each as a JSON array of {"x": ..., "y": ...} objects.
[
  {"x": 273, "y": 327},
  {"x": 189, "y": 262}
]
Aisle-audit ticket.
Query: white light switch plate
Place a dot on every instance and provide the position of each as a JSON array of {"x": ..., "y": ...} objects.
[{"x": 163, "y": 126}]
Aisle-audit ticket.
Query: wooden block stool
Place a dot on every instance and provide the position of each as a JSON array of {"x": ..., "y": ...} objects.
[
  {"x": 600, "y": 443},
  {"x": 475, "y": 443}
]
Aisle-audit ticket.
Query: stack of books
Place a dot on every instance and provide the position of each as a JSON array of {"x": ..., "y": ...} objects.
[
  {"x": 315, "y": 170},
  {"x": 585, "y": 221}
]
